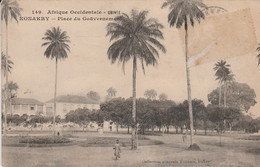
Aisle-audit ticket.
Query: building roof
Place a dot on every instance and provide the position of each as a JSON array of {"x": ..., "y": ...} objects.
[
  {"x": 25, "y": 101},
  {"x": 73, "y": 99}
]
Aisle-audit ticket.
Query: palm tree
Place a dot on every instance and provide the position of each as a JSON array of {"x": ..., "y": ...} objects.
[
  {"x": 185, "y": 12},
  {"x": 224, "y": 75},
  {"x": 57, "y": 47},
  {"x": 9, "y": 64},
  {"x": 221, "y": 68},
  {"x": 10, "y": 10},
  {"x": 135, "y": 37},
  {"x": 258, "y": 56}
]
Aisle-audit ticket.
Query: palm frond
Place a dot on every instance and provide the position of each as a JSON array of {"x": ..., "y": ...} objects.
[
  {"x": 157, "y": 44},
  {"x": 57, "y": 43},
  {"x": 223, "y": 72},
  {"x": 134, "y": 37},
  {"x": 258, "y": 48},
  {"x": 183, "y": 11},
  {"x": 10, "y": 9},
  {"x": 258, "y": 56},
  {"x": 142, "y": 62},
  {"x": 258, "y": 59},
  {"x": 173, "y": 15},
  {"x": 3, "y": 63},
  {"x": 169, "y": 3}
]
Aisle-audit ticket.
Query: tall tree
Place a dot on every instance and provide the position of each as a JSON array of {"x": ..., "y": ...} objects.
[
  {"x": 198, "y": 107},
  {"x": 57, "y": 48},
  {"x": 185, "y": 11},
  {"x": 229, "y": 78},
  {"x": 135, "y": 37},
  {"x": 224, "y": 75},
  {"x": 10, "y": 10},
  {"x": 221, "y": 68},
  {"x": 117, "y": 110},
  {"x": 150, "y": 94},
  {"x": 258, "y": 56},
  {"x": 239, "y": 95}
]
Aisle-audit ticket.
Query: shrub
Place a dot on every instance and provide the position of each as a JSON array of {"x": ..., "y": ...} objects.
[{"x": 44, "y": 140}]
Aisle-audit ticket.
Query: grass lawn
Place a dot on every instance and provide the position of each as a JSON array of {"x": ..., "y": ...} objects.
[{"x": 232, "y": 152}]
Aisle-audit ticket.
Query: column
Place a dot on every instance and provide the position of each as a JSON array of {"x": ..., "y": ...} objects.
[{"x": 28, "y": 107}]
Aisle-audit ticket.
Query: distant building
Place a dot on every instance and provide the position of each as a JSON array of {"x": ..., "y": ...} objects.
[
  {"x": 27, "y": 106},
  {"x": 66, "y": 103}
]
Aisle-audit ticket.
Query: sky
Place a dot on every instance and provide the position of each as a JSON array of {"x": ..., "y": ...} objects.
[{"x": 88, "y": 68}]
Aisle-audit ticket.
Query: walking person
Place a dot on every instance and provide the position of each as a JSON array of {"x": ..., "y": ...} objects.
[{"x": 117, "y": 149}]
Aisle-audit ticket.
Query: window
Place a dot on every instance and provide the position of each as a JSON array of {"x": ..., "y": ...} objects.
[{"x": 32, "y": 107}]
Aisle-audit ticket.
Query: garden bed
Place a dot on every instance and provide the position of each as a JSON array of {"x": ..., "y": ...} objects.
[
  {"x": 110, "y": 142},
  {"x": 33, "y": 141}
]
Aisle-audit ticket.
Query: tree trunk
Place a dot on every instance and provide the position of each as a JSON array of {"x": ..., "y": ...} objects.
[
  {"x": 117, "y": 128},
  {"x": 134, "y": 144},
  {"x": 55, "y": 94},
  {"x": 168, "y": 129},
  {"x": 220, "y": 138},
  {"x": 6, "y": 80},
  {"x": 11, "y": 112},
  {"x": 163, "y": 127},
  {"x": 219, "y": 97},
  {"x": 205, "y": 127},
  {"x": 127, "y": 129},
  {"x": 230, "y": 127},
  {"x": 188, "y": 81},
  {"x": 225, "y": 94}
]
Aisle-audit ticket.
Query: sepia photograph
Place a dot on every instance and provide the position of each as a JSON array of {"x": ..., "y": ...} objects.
[{"x": 130, "y": 83}]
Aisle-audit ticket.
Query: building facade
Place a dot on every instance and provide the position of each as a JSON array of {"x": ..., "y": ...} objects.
[
  {"x": 27, "y": 106},
  {"x": 67, "y": 103}
]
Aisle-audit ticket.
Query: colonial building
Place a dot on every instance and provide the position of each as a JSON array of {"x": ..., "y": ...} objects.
[
  {"x": 27, "y": 106},
  {"x": 66, "y": 103}
]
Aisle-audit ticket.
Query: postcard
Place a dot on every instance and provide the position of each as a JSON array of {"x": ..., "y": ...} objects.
[{"x": 130, "y": 83}]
